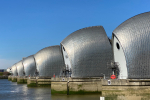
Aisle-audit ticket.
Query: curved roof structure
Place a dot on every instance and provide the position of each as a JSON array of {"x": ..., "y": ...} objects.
[
  {"x": 29, "y": 65},
  {"x": 20, "y": 68},
  {"x": 14, "y": 70},
  {"x": 134, "y": 38},
  {"x": 9, "y": 70},
  {"x": 89, "y": 51},
  {"x": 49, "y": 61}
]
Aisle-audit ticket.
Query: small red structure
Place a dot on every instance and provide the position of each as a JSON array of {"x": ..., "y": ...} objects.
[
  {"x": 54, "y": 76},
  {"x": 113, "y": 77}
]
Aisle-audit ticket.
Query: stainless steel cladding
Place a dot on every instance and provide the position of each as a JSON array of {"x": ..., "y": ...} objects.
[
  {"x": 14, "y": 71},
  {"x": 8, "y": 70},
  {"x": 134, "y": 37},
  {"x": 89, "y": 51},
  {"x": 29, "y": 66},
  {"x": 49, "y": 61},
  {"x": 20, "y": 68}
]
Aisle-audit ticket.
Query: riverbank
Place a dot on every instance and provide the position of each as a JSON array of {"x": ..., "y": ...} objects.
[{"x": 3, "y": 77}]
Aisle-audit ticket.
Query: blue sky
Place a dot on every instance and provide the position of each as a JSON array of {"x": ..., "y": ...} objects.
[{"x": 27, "y": 26}]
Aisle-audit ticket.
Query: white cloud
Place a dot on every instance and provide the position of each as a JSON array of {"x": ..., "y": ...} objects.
[{"x": 6, "y": 63}]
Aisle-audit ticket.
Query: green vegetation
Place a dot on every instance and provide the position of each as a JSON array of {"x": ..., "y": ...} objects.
[
  {"x": 9, "y": 78},
  {"x": 44, "y": 85},
  {"x": 58, "y": 92},
  {"x": 14, "y": 80},
  {"x": 32, "y": 85},
  {"x": 82, "y": 92},
  {"x": 4, "y": 73},
  {"x": 111, "y": 98},
  {"x": 79, "y": 86},
  {"x": 25, "y": 80},
  {"x": 21, "y": 81},
  {"x": 1, "y": 73}
]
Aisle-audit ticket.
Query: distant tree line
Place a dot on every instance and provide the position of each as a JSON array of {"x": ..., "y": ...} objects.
[{"x": 4, "y": 73}]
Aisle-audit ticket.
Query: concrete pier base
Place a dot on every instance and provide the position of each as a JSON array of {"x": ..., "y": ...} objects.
[
  {"x": 38, "y": 82},
  {"x": 44, "y": 82},
  {"x": 90, "y": 85},
  {"x": 22, "y": 80},
  {"x": 59, "y": 87},
  {"x": 14, "y": 79},
  {"x": 9, "y": 78},
  {"x": 31, "y": 82},
  {"x": 76, "y": 86}
]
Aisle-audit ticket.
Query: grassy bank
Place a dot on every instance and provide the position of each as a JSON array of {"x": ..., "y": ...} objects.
[
  {"x": 4, "y": 75},
  {"x": 1, "y": 73}
]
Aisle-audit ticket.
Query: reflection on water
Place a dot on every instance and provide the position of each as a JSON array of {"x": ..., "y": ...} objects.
[
  {"x": 13, "y": 91},
  {"x": 75, "y": 97}
]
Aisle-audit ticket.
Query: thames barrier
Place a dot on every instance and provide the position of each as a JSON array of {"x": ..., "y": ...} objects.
[{"x": 88, "y": 62}]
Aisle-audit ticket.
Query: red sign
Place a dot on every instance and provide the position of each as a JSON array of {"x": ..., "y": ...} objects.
[{"x": 113, "y": 76}]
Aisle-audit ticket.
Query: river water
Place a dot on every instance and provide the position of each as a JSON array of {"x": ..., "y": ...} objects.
[{"x": 13, "y": 91}]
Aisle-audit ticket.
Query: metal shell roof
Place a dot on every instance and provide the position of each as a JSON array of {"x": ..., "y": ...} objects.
[
  {"x": 134, "y": 36},
  {"x": 49, "y": 61},
  {"x": 29, "y": 65},
  {"x": 14, "y": 70},
  {"x": 20, "y": 68},
  {"x": 89, "y": 51}
]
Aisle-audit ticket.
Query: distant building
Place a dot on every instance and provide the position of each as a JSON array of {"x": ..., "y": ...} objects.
[{"x": 2, "y": 70}]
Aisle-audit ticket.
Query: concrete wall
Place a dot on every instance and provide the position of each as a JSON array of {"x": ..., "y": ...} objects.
[
  {"x": 9, "y": 78},
  {"x": 126, "y": 82},
  {"x": 14, "y": 79},
  {"x": 31, "y": 82},
  {"x": 38, "y": 82},
  {"x": 59, "y": 87},
  {"x": 75, "y": 86},
  {"x": 21, "y": 80},
  {"x": 43, "y": 82},
  {"x": 85, "y": 86}
]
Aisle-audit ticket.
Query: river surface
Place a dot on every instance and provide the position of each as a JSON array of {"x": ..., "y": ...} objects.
[{"x": 13, "y": 91}]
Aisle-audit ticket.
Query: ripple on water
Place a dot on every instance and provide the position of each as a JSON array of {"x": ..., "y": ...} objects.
[{"x": 13, "y": 91}]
